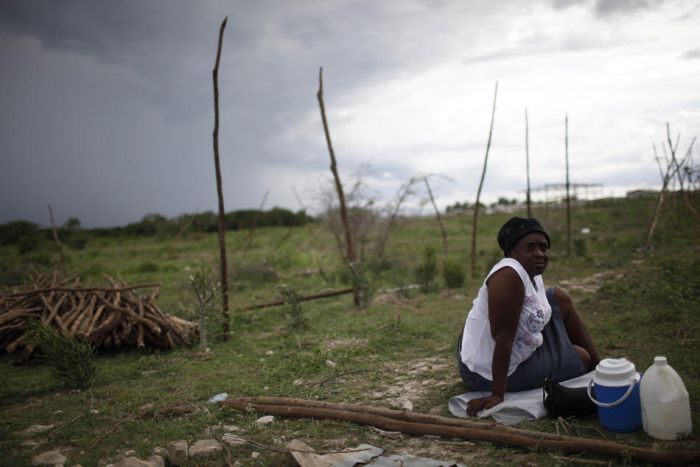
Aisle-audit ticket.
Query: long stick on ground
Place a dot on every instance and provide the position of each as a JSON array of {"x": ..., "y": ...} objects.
[
  {"x": 522, "y": 439},
  {"x": 326, "y": 294},
  {"x": 481, "y": 183},
  {"x": 350, "y": 252},
  {"x": 219, "y": 191}
]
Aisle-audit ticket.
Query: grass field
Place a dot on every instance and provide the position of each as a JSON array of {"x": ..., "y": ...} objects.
[{"x": 637, "y": 304}]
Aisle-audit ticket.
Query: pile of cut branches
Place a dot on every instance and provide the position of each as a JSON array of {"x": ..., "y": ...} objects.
[{"x": 111, "y": 318}]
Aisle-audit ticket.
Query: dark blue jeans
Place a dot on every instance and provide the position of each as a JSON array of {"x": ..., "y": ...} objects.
[{"x": 555, "y": 359}]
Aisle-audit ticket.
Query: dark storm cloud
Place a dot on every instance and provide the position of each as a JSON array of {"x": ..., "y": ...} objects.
[
  {"x": 609, "y": 7},
  {"x": 107, "y": 107}
]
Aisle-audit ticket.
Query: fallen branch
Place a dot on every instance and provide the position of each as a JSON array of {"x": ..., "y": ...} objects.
[
  {"x": 535, "y": 441},
  {"x": 81, "y": 289},
  {"x": 326, "y": 294}
]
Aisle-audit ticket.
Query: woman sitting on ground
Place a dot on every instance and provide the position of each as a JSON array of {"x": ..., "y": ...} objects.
[{"x": 517, "y": 333}]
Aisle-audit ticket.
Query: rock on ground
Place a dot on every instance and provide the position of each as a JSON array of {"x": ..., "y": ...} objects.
[
  {"x": 49, "y": 458},
  {"x": 177, "y": 452},
  {"x": 132, "y": 461},
  {"x": 205, "y": 448}
]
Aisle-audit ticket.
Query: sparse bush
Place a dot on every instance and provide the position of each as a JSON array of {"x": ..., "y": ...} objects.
[
  {"x": 580, "y": 248},
  {"x": 28, "y": 243},
  {"x": 254, "y": 271},
  {"x": 296, "y": 319},
  {"x": 427, "y": 270},
  {"x": 147, "y": 267},
  {"x": 72, "y": 359},
  {"x": 205, "y": 290},
  {"x": 453, "y": 273},
  {"x": 361, "y": 284}
]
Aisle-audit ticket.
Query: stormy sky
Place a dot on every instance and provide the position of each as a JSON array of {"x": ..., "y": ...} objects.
[{"x": 106, "y": 108}]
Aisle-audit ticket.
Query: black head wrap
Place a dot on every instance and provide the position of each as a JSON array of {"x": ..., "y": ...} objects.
[{"x": 516, "y": 228}]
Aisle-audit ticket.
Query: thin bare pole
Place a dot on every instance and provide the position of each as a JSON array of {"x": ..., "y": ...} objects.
[
  {"x": 437, "y": 215},
  {"x": 251, "y": 231},
  {"x": 528, "y": 201},
  {"x": 58, "y": 242},
  {"x": 219, "y": 192},
  {"x": 568, "y": 197},
  {"x": 679, "y": 171},
  {"x": 350, "y": 247},
  {"x": 481, "y": 183}
]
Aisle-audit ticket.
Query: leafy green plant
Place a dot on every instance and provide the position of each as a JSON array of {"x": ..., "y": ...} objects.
[
  {"x": 580, "y": 248},
  {"x": 453, "y": 273},
  {"x": 296, "y": 319},
  {"x": 361, "y": 284},
  {"x": 205, "y": 290},
  {"x": 72, "y": 359},
  {"x": 427, "y": 270}
]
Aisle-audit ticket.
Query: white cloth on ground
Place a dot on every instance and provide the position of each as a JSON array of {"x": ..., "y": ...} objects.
[{"x": 516, "y": 406}]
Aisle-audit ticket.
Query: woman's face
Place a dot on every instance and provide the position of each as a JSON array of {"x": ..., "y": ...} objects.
[{"x": 532, "y": 252}]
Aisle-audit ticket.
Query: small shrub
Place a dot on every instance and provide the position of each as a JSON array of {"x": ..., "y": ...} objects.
[
  {"x": 403, "y": 290},
  {"x": 205, "y": 290},
  {"x": 147, "y": 267},
  {"x": 361, "y": 284},
  {"x": 453, "y": 273},
  {"x": 427, "y": 270},
  {"x": 296, "y": 319},
  {"x": 580, "y": 248},
  {"x": 28, "y": 243},
  {"x": 72, "y": 359}
]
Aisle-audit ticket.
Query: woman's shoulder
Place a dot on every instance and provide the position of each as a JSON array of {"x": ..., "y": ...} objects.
[{"x": 509, "y": 263}]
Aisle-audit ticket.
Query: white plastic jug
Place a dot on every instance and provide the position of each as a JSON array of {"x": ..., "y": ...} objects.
[{"x": 665, "y": 402}]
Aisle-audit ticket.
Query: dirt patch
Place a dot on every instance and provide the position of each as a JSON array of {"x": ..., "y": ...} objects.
[
  {"x": 592, "y": 283},
  {"x": 411, "y": 381},
  {"x": 345, "y": 343}
]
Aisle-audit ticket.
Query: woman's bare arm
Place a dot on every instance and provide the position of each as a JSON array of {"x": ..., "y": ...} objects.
[{"x": 506, "y": 296}]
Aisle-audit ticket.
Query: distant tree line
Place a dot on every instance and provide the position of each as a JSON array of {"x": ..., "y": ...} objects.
[
  {"x": 466, "y": 206},
  {"x": 28, "y": 236}
]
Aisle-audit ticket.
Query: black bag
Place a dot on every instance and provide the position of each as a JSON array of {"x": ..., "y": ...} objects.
[{"x": 561, "y": 401}]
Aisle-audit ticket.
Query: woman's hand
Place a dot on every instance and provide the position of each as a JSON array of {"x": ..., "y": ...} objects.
[{"x": 475, "y": 406}]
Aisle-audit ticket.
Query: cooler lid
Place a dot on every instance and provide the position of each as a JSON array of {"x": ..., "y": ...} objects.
[{"x": 613, "y": 372}]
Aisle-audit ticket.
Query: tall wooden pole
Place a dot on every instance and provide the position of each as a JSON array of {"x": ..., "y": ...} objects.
[
  {"x": 481, "y": 183},
  {"x": 437, "y": 215},
  {"x": 568, "y": 197},
  {"x": 58, "y": 241},
  {"x": 219, "y": 192},
  {"x": 528, "y": 201},
  {"x": 350, "y": 246}
]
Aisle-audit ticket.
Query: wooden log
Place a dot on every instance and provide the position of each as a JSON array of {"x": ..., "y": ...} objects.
[
  {"x": 106, "y": 327},
  {"x": 84, "y": 314},
  {"x": 325, "y": 294},
  {"x": 132, "y": 314},
  {"x": 20, "y": 341},
  {"x": 13, "y": 315},
  {"x": 70, "y": 317},
  {"x": 116, "y": 340},
  {"x": 54, "y": 312},
  {"x": 95, "y": 319},
  {"x": 597, "y": 447},
  {"x": 86, "y": 289},
  {"x": 139, "y": 337}
]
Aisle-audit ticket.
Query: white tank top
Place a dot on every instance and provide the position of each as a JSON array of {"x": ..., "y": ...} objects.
[{"x": 477, "y": 343}]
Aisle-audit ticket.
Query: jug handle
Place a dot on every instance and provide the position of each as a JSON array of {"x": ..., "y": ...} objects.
[{"x": 609, "y": 404}]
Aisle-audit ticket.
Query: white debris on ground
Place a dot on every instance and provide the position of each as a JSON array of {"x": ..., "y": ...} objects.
[{"x": 411, "y": 381}]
